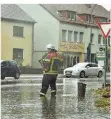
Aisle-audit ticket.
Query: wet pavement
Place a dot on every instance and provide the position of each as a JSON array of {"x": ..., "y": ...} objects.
[{"x": 21, "y": 100}]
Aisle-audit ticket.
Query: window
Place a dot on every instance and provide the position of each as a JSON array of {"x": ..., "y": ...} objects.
[
  {"x": 93, "y": 57},
  {"x": 13, "y": 63},
  {"x": 74, "y": 60},
  {"x": 104, "y": 40},
  {"x": 90, "y": 65},
  {"x": 71, "y": 60},
  {"x": 109, "y": 40},
  {"x": 75, "y": 36},
  {"x": 81, "y": 37},
  {"x": 17, "y": 53},
  {"x": 94, "y": 65},
  {"x": 18, "y": 31},
  {"x": 64, "y": 35},
  {"x": 103, "y": 20},
  {"x": 68, "y": 61},
  {"x": 88, "y": 19},
  {"x": 92, "y": 38},
  {"x": 77, "y": 59},
  {"x": 4, "y": 64},
  {"x": 72, "y": 15},
  {"x": 69, "y": 35},
  {"x": 99, "y": 39}
]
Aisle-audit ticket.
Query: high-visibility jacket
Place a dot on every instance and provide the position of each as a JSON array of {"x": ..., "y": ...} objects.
[{"x": 51, "y": 62}]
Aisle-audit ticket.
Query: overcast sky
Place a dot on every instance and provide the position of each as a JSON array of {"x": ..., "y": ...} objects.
[
  {"x": 105, "y": 3},
  {"x": 107, "y": 6}
]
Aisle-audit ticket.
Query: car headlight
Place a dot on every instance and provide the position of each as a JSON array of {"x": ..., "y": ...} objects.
[{"x": 76, "y": 70}]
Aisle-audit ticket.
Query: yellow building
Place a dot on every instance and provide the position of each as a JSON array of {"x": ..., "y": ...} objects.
[{"x": 17, "y": 30}]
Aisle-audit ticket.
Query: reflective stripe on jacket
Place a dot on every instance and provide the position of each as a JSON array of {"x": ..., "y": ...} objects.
[{"x": 51, "y": 63}]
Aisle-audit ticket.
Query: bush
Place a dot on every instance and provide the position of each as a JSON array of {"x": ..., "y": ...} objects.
[
  {"x": 103, "y": 99},
  {"x": 19, "y": 61},
  {"x": 102, "y": 102}
]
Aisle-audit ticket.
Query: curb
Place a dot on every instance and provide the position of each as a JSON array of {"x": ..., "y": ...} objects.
[{"x": 37, "y": 76}]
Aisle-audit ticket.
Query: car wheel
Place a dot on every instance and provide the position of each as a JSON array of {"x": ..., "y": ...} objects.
[
  {"x": 86, "y": 76},
  {"x": 100, "y": 74},
  {"x": 17, "y": 75},
  {"x": 82, "y": 74},
  {"x": 68, "y": 76},
  {"x": 3, "y": 77}
]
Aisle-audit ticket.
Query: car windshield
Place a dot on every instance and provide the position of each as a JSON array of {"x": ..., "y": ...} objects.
[{"x": 80, "y": 65}]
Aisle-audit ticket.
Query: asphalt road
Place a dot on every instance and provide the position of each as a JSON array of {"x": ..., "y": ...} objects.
[{"x": 75, "y": 99}]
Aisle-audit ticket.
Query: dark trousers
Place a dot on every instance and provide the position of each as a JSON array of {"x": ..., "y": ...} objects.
[{"x": 48, "y": 80}]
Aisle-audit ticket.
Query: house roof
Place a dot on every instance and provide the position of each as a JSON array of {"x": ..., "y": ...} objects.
[
  {"x": 54, "y": 8},
  {"x": 98, "y": 11},
  {"x": 79, "y": 8},
  {"x": 14, "y": 12}
]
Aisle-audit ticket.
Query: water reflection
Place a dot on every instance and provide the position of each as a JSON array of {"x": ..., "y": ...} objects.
[
  {"x": 74, "y": 101},
  {"x": 49, "y": 108}
]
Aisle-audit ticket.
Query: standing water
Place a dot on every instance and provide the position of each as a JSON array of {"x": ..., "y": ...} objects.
[{"x": 74, "y": 100}]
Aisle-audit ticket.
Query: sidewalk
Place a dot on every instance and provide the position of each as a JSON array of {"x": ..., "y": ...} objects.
[
  {"x": 36, "y": 75},
  {"x": 31, "y": 75},
  {"x": 41, "y": 75}
]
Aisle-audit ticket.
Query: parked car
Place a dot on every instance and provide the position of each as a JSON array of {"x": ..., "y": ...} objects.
[
  {"x": 9, "y": 68},
  {"x": 83, "y": 70}
]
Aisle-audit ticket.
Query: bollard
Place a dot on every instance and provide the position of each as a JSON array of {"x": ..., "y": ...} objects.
[{"x": 81, "y": 90}]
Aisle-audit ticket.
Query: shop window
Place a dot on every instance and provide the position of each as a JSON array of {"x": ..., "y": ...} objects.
[
  {"x": 74, "y": 60},
  {"x": 68, "y": 61},
  {"x": 78, "y": 60}
]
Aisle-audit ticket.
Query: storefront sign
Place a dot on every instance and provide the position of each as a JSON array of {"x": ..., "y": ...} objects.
[{"x": 70, "y": 46}]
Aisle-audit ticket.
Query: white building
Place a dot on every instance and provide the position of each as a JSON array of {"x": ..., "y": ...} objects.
[{"x": 68, "y": 27}]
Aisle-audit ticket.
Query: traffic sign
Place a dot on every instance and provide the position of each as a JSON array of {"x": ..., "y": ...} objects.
[
  {"x": 101, "y": 49},
  {"x": 100, "y": 58},
  {"x": 105, "y": 28}
]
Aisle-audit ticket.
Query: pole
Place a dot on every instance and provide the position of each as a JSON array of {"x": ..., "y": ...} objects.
[
  {"x": 90, "y": 44},
  {"x": 67, "y": 54},
  {"x": 91, "y": 33},
  {"x": 105, "y": 63}
]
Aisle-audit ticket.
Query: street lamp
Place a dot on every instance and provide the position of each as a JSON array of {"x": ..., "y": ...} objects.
[{"x": 91, "y": 33}]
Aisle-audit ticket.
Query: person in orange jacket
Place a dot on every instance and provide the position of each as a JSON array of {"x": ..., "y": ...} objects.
[{"x": 51, "y": 62}]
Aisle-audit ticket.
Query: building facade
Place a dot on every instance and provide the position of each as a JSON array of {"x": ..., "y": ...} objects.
[
  {"x": 69, "y": 28},
  {"x": 16, "y": 35}
]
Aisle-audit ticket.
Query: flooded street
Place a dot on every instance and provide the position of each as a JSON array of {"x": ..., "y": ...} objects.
[
  {"x": 49, "y": 41},
  {"x": 21, "y": 100}
]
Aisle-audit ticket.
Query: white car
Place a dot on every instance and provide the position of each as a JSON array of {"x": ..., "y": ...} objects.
[{"x": 83, "y": 70}]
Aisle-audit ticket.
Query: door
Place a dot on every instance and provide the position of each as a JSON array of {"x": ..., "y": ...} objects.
[
  {"x": 12, "y": 68},
  {"x": 95, "y": 69},
  {"x": 89, "y": 70},
  {"x": 4, "y": 69}
]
